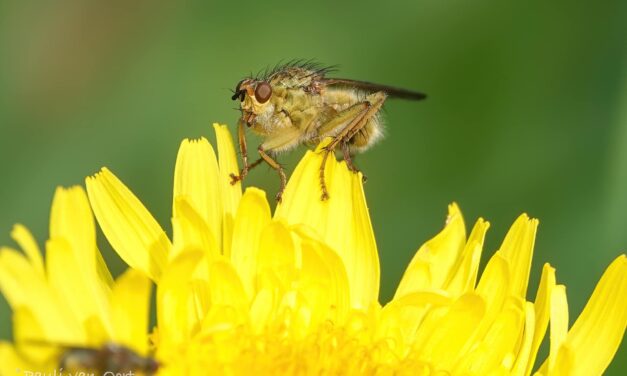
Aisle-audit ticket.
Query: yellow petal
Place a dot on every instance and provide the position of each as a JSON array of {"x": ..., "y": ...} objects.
[
  {"x": 132, "y": 231},
  {"x": 31, "y": 339},
  {"x": 559, "y": 322},
  {"x": 102, "y": 270},
  {"x": 196, "y": 180},
  {"x": 595, "y": 337},
  {"x": 360, "y": 255},
  {"x": 464, "y": 275},
  {"x": 524, "y": 354},
  {"x": 253, "y": 215},
  {"x": 496, "y": 350},
  {"x": 441, "y": 339},
  {"x": 176, "y": 311},
  {"x": 230, "y": 193},
  {"x": 77, "y": 293},
  {"x": 130, "y": 308},
  {"x": 400, "y": 318},
  {"x": 504, "y": 336},
  {"x": 200, "y": 293},
  {"x": 542, "y": 307},
  {"x": 342, "y": 221},
  {"x": 517, "y": 249},
  {"x": 73, "y": 239},
  {"x": 11, "y": 361},
  {"x": 71, "y": 220},
  {"x": 433, "y": 263},
  {"x": 13, "y": 267},
  {"x": 277, "y": 256},
  {"x": 191, "y": 230},
  {"x": 262, "y": 309},
  {"x": 23, "y": 287},
  {"x": 219, "y": 321},
  {"x": 296, "y": 310},
  {"x": 494, "y": 285},
  {"x": 565, "y": 363},
  {"x": 226, "y": 288},
  {"x": 421, "y": 298},
  {"x": 27, "y": 242},
  {"x": 323, "y": 282}
]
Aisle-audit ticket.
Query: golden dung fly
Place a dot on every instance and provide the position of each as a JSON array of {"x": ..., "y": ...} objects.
[{"x": 296, "y": 104}]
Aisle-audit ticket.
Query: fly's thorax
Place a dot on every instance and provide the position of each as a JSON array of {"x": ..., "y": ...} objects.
[
  {"x": 290, "y": 107},
  {"x": 294, "y": 77},
  {"x": 299, "y": 100}
]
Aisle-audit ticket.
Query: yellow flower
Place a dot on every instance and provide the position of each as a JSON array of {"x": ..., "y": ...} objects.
[{"x": 240, "y": 290}]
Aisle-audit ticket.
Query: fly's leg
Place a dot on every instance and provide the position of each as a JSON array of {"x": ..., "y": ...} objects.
[
  {"x": 359, "y": 121},
  {"x": 276, "y": 166},
  {"x": 244, "y": 150},
  {"x": 323, "y": 184},
  {"x": 244, "y": 171},
  {"x": 349, "y": 161},
  {"x": 347, "y": 157},
  {"x": 343, "y": 121}
]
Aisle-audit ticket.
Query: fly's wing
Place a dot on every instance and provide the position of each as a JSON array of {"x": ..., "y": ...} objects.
[{"x": 393, "y": 92}]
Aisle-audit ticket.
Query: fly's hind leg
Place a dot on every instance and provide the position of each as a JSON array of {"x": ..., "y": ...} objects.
[
  {"x": 349, "y": 160},
  {"x": 346, "y": 120},
  {"x": 347, "y": 157},
  {"x": 359, "y": 114}
]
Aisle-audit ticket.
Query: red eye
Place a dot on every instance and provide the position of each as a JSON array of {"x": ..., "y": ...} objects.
[{"x": 263, "y": 92}]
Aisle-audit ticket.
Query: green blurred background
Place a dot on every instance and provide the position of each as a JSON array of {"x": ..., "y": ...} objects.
[{"x": 527, "y": 111}]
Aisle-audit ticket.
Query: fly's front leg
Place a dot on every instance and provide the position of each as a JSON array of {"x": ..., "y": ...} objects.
[
  {"x": 278, "y": 168},
  {"x": 241, "y": 135}
]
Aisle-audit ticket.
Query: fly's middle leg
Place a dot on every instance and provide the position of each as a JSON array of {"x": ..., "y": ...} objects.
[{"x": 278, "y": 168}]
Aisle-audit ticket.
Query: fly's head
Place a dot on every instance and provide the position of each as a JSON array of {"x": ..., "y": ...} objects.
[
  {"x": 258, "y": 100},
  {"x": 263, "y": 98}
]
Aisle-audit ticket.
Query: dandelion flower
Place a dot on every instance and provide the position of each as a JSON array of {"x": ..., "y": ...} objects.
[{"x": 240, "y": 289}]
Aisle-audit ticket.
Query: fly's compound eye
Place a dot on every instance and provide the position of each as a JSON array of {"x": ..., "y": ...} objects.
[{"x": 263, "y": 92}]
